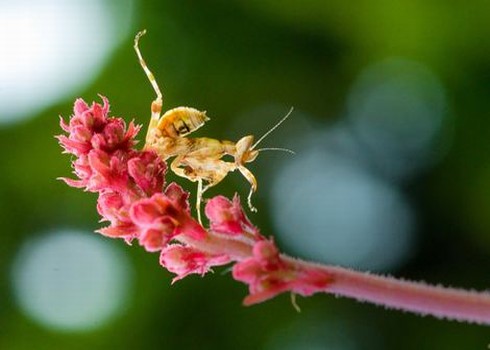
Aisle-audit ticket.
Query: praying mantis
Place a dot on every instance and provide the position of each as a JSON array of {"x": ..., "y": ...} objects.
[{"x": 197, "y": 159}]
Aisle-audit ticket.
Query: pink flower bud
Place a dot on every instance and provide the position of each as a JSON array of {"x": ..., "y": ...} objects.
[
  {"x": 128, "y": 231},
  {"x": 75, "y": 143},
  {"x": 147, "y": 171},
  {"x": 227, "y": 216},
  {"x": 109, "y": 171},
  {"x": 268, "y": 275},
  {"x": 147, "y": 212},
  {"x": 155, "y": 239},
  {"x": 178, "y": 196},
  {"x": 80, "y": 107},
  {"x": 265, "y": 250},
  {"x": 96, "y": 116},
  {"x": 161, "y": 213},
  {"x": 183, "y": 261},
  {"x": 110, "y": 206},
  {"x": 266, "y": 254}
]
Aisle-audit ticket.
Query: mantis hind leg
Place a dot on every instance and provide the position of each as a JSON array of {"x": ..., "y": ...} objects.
[
  {"x": 218, "y": 177},
  {"x": 198, "y": 200},
  {"x": 212, "y": 178},
  {"x": 200, "y": 192},
  {"x": 178, "y": 167},
  {"x": 253, "y": 185}
]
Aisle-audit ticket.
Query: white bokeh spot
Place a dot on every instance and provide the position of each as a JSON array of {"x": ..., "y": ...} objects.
[
  {"x": 54, "y": 48},
  {"x": 397, "y": 109},
  {"x": 328, "y": 208},
  {"x": 71, "y": 280}
]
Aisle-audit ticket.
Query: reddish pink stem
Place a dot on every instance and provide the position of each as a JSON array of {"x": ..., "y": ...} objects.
[
  {"x": 440, "y": 302},
  {"x": 416, "y": 297}
]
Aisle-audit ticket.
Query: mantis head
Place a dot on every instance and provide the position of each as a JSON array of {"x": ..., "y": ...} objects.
[{"x": 244, "y": 150}]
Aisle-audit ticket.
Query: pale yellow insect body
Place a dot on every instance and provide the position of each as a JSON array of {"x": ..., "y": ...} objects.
[{"x": 196, "y": 159}]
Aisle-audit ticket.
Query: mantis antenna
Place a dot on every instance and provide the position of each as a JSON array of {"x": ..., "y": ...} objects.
[
  {"x": 148, "y": 72},
  {"x": 276, "y": 149},
  {"x": 272, "y": 129}
]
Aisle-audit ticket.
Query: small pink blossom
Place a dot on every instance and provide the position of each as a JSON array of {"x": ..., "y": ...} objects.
[
  {"x": 114, "y": 136},
  {"x": 183, "y": 260},
  {"x": 90, "y": 128},
  {"x": 228, "y": 217},
  {"x": 112, "y": 207},
  {"x": 126, "y": 231},
  {"x": 155, "y": 239},
  {"x": 268, "y": 275},
  {"x": 109, "y": 171},
  {"x": 162, "y": 213},
  {"x": 178, "y": 196},
  {"x": 148, "y": 172}
]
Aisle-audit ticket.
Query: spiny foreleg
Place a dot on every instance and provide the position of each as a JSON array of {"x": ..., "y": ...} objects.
[{"x": 247, "y": 174}]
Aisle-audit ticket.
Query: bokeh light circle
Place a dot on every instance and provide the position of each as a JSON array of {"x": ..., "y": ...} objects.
[
  {"x": 397, "y": 110},
  {"x": 70, "y": 280},
  {"x": 328, "y": 208},
  {"x": 53, "y": 48}
]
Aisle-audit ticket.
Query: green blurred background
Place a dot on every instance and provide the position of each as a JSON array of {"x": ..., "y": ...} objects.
[{"x": 391, "y": 172}]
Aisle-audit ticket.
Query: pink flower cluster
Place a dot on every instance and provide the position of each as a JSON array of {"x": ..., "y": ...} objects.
[
  {"x": 135, "y": 200},
  {"x": 130, "y": 183}
]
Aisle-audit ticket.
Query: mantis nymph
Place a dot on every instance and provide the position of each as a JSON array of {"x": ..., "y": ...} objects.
[{"x": 197, "y": 159}]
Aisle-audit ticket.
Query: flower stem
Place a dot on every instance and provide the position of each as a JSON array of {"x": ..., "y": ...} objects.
[
  {"x": 237, "y": 249},
  {"x": 416, "y": 297}
]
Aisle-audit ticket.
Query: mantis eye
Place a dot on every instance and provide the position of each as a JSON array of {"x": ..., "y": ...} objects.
[{"x": 251, "y": 155}]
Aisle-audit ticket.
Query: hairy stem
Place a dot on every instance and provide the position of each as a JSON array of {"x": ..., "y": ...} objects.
[
  {"x": 416, "y": 297},
  {"x": 420, "y": 298},
  {"x": 236, "y": 248}
]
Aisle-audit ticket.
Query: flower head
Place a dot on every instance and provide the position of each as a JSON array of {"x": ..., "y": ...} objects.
[
  {"x": 130, "y": 183},
  {"x": 90, "y": 128},
  {"x": 147, "y": 171},
  {"x": 228, "y": 217},
  {"x": 160, "y": 218},
  {"x": 102, "y": 145}
]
